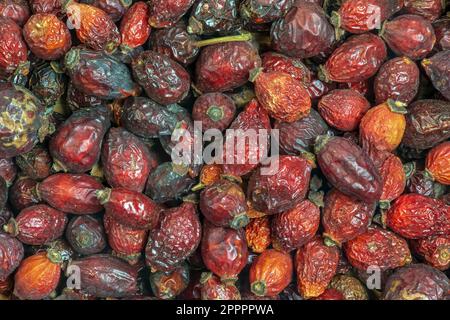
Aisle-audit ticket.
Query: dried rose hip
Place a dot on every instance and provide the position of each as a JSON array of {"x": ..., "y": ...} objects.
[
  {"x": 270, "y": 273},
  {"x": 86, "y": 235},
  {"x": 130, "y": 208},
  {"x": 22, "y": 193},
  {"x": 47, "y": 37},
  {"x": 46, "y": 6},
  {"x": 272, "y": 61},
  {"x": 48, "y": 82},
  {"x": 343, "y": 109},
  {"x": 414, "y": 216},
  {"x": 417, "y": 282},
  {"x": 427, "y": 124},
  {"x": 77, "y": 100},
  {"x": 12, "y": 254},
  {"x": 361, "y": 86},
  {"x": 13, "y": 50},
  {"x": 438, "y": 163},
  {"x": 98, "y": 74},
  {"x": 8, "y": 170},
  {"x": 422, "y": 183},
  {"x": 264, "y": 11},
  {"x": 164, "y": 80},
  {"x": 215, "y": 110},
  {"x": 16, "y": 10},
  {"x": 429, "y": 9},
  {"x": 330, "y": 294},
  {"x": 357, "y": 59},
  {"x": 350, "y": 287},
  {"x": 394, "y": 180},
  {"x": 225, "y": 66},
  {"x": 5, "y": 215},
  {"x": 94, "y": 27},
  {"x": 435, "y": 250},
  {"x": 134, "y": 27},
  {"x": 76, "y": 145},
  {"x": 127, "y": 242},
  {"x": 257, "y": 233},
  {"x": 409, "y": 35},
  {"x": 72, "y": 193},
  {"x": 105, "y": 276},
  {"x": 348, "y": 168},
  {"x": 304, "y": 32},
  {"x": 437, "y": 68},
  {"x": 316, "y": 265},
  {"x": 209, "y": 174},
  {"x": 214, "y": 289},
  {"x": 170, "y": 285},
  {"x": 175, "y": 239},
  {"x": 214, "y": 16},
  {"x": 114, "y": 8},
  {"x": 166, "y": 13},
  {"x": 283, "y": 189},
  {"x": 442, "y": 32},
  {"x": 295, "y": 227},
  {"x": 37, "y": 225}
]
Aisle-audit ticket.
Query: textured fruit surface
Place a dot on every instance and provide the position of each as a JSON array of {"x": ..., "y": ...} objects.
[
  {"x": 272, "y": 61},
  {"x": 214, "y": 289},
  {"x": 11, "y": 254},
  {"x": 437, "y": 68},
  {"x": 165, "y": 13},
  {"x": 12, "y": 47},
  {"x": 438, "y": 163},
  {"x": 134, "y": 27},
  {"x": 435, "y": 250},
  {"x": 170, "y": 285},
  {"x": 350, "y": 287},
  {"x": 215, "y": 111},
  {"x": 393, "y": 177},
  {"x": 86, "y": 235},
  {"x": 263, "y": 11}
]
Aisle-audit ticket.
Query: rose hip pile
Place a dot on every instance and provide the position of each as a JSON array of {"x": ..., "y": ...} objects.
[{"x": 93, "y": 206}]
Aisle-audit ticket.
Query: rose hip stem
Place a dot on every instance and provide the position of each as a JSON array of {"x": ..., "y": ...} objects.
[{"x": 244, "y": 36}]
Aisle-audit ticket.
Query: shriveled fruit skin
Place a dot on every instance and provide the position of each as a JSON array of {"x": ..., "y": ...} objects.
[
  {"x": 283, "y": 189},
  {"x": 224, "y": 251},
  {"x": 393, "y": 177},
  {"x": 209, "y": 17},
  {"x": 126, "y": 160},
  {"x": 357, "y": 59},
  {"x": 214, "y": 289},
  {"x": 46, "y": 6},
  {"x": 170, "y": 285},
  {"x": 105, "y": 276},
  {"x": 36, "y": 163},
  {"x": 8, "y": 170},
  {"x": 273, "y": 61},
  {"x": 215, "y": 110},
  {"x": 76, "y": 145},
  {"x": 5, "y": 214},
  {"x": 226, "y": 66},
  {"x": 22, "y": 193},
  {"x": 263, "y": 11},
  {"x": 77, "y": 99},
  {"x": 348, "y": 168},
  {"x": 86, "y": 235},
  {"x": 330, "y": 294},
  {"x": 343, "y": 109},
  {"x": 166, "y": 13},
  {"x": 13, "y": 48},
  {"x": 435, "y": 250},
  {"x": 318, "y": 88},
  {"x": 17, "y": 10},
  {"x": 36, "y": 278},
  {"x": 417, "y": 282},
  {"x": 258, "y": 234},
  {"x": 134, "y": 27},
  {"x": 422, "y": 183},
  {"x": 409, "y": 35},
  {"x": 38, "y": 225},
  {"x": 427, "y": 123},
  {"x": 345, "y": 217},
  {"x": 350, "y": 287},
  {"x": 316, "y": 265},
  {"x": 114, "y": 8},
  {"x": 442, "y": 32},
  {"x": 71, "y": 193},
  {"x": 97, "y": 74},
  {"x": 293, "y": 228},
  {"x": 429, "y": 9},
  {"x": 438, "y": 163},
  {"x": 164, "y": 80},
  {"x": 397, "y": 79},
  {"x": 437, "y": 68},
  {"x": 414, "y": 216},
  {"x": 175, "y": 239},
  {"x": 304, "y": 32},
  {"x": 270, "y": 273},
  {"x": 11, "y": 254}
]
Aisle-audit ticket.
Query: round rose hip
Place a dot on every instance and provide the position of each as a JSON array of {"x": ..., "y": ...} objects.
[
  {"x": 11, "y": 254},
  {"x": 86, "y": 235},
  {"x": 215, "y": 110},
  {"x": 438, "y": 163},
  {"x": 214, "y": 289},
  {"x": 394, "y": 180}
]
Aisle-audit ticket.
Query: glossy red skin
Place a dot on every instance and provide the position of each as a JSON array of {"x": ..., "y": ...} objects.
[
  {"x": 429, "y": 9},
  {"x": 16, "y": 10},
  {"x": 274, "y": 269},
  {"x": 438, "y": 163},
  {"x": 224, "y": 251},
  {"x": 330, "y": 294},
  {"x": 252, "y": 117},
  {"x": 134, "y": 27},
  {"x": 8, "y": 170},
  {"x": 46, "y": 6},
  {"x": 164, "y": 80},
  {"x": 263, "y": 11},
  {"x": 46, "y": 36},
  {"x": 215, "y": 289},
  {"x": 13, "y": 50},
  {"x": 126, "y": 160},
  {"x": 414, "y": 216},
  {"x": 435, "y": 250},
  {"x": 304, "y": 32},
  {"x": 393, "y": 177},
  {"x": 345, "y": 217},
  {"x": 422, "y": 183},
  {"x": 226, "y": 66},
  {"x": 22, "y": 193},
  {"x": 363, "y": 87},
  {"x": 377, "y": 247},
  {"x": 409, "y": 35},
  {"x": 295, "y": 227},
  {"x": 417, "y": 282},
  {"x": 35, "y": 164},
  {"x": 215, "y": 110},
  {"x": 170, "y": 285},
  {"x": 114, "y": 8},
  {"x": 398, "y": 79},
  {"x": 343, "y": 109},
  {"x": 175, "y": 239},
  {"x": 283, "y": 97},
  {"x": 222, "y": 202},
  {"x": 442, "y": 32},
  {"x": 348, "y": 168},
  {"x": 166, "y": 13},
  {"x": 282, "y": 190},
  {"x": 39, "y": 224},
  {"x": 316, "y": 264},
  {"x": 86, "y": 235},
  {"x": 71, "y": 193},
  {"x": 105, "y": 276},
  {"x": 77, "y": 100},
  {"x": 272, "y": 61},
  {"x": 131, "y": 208},
  {"x": 357, "y": 59},
  {"x": 77, "y": 143},
  {"x": 437, "y": 68},
  {"x": 95, "y": 28},
  {"x": 11, "y": 254},
  {"x": 319, "y": 88}
]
